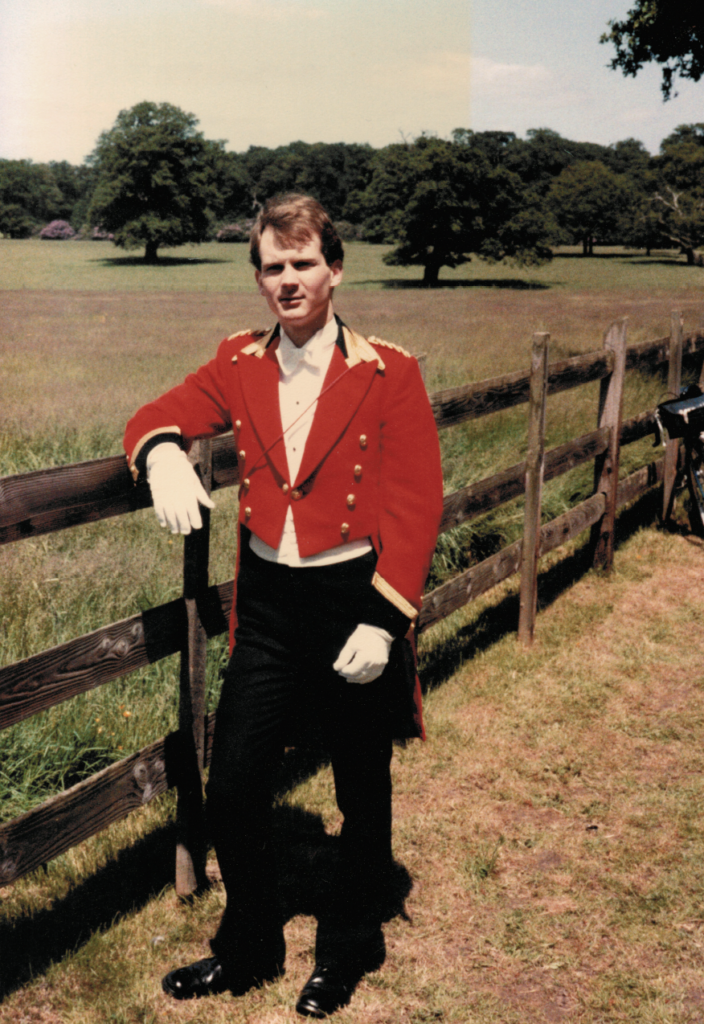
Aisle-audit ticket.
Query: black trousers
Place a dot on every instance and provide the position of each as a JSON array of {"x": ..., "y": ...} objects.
[{"x": 292, "y": 624}]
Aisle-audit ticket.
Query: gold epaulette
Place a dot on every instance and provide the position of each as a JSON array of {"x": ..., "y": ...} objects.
[
  {"x": 242, "y": 334},
  {"x": 388, "y": 344}
]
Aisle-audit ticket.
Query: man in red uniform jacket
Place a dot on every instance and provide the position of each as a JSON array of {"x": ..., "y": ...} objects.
[{"x": 340, "y": 501}]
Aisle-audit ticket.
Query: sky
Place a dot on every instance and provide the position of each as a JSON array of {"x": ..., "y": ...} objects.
[{"x": 269, "y": 72}]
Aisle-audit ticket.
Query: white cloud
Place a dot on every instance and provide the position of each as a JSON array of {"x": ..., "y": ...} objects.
[{"x": 504, "y": 80}]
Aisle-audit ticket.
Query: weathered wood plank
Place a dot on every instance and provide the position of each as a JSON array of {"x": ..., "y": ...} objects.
[
  {"x": 32, "y": 504},
  {"x": 638, "y": 427},
  {"x": 479, "y": 497},
  {"x": 78, "y": 813},
  {"x": 640, "y": 481},
  {"x": 455, "y": 405},
  {"x": 439, "y": 603},
  {"x": 650, "y": 355},
  {"x": 53, "y": 676}
]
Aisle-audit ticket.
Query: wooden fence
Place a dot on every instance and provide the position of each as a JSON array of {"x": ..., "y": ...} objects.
[{"x": 48, "y": 500}]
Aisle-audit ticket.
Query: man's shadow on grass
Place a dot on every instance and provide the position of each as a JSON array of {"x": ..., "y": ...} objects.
[{"x": 140, "y": 873}]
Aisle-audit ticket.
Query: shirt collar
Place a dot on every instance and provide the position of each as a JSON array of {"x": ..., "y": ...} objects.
[{"x": 314, "y": 354}]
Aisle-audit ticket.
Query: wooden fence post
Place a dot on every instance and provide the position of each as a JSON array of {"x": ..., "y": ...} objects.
[
  {"x": 535, "y": 466},
  {"x": 674, "y": 382},
  {"x": 607, "y": 465},
  {"x": 190, "y": 843}
]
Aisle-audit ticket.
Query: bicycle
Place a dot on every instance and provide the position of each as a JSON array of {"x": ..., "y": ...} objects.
[{"x": 683, "y": 417}]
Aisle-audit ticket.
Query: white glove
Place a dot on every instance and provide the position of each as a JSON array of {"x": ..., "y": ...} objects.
[
  {"x": 176, "y": 489},
  {"x": 364, "y": 656}
]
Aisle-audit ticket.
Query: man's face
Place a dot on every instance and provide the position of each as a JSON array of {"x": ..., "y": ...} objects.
[{"x": 297, "y": 285}]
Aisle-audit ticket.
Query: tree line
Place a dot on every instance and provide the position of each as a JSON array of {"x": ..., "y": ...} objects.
[{"x": 153, "y": 180}]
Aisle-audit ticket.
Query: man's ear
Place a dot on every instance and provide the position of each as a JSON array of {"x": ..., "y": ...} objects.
[
  {"x": 336, "y": 269},
  {"x": 258, "y": 278}
]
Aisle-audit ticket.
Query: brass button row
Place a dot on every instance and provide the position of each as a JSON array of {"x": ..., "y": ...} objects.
[
  {"x": 242, "y": 454},
  {"x": 238, "y": 424},
  {"x": 362, "y": 441},
  {"x": 358, "y": 472},
  {"x": 296, "y": 494},
  {"x": 351, "y": 501},
  {"x": 247, "y": 513}
]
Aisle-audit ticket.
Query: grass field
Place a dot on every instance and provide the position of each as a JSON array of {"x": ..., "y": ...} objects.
[{"x": 553, "y": 838}]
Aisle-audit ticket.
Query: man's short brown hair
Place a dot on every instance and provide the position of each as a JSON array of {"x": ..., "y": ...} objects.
[{"x": 295, "y": 219}]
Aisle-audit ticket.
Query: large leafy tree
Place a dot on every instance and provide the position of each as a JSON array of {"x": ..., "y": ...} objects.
[
  {"x": 328, "y": 171},
  {"x": 442, "y": 201},
  {"x": 678, "y": 200},
  {"x": 157, "y": 179},
  {"x": 543, "y": 154},
  {"x": 29, "y": 197},
  {"x": 590, "y": 201},
  {"x": 666, "y": 32}
]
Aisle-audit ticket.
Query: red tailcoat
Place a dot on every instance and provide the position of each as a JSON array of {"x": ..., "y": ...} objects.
[{"x": 371, "y": 465}]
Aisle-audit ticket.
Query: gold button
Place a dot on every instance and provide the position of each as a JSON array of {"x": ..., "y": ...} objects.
[
  {"x": 245, "y": 483},
  {"x": 247, "y": 513},
  {"x": 242, "y": 453},
  {"x": 351, "y": 500},
  {"x": 345, "y": 528},
  {"x": 362, "y": 440},
  {"x": 296, "y": 494},
  {"x": 285, "y": 488},
  {"x": 358, "y": 472},
  {"x": 238, "y": 424}
]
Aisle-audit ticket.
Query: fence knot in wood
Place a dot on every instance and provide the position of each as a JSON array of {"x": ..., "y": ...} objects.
[
  {"x": 147, "y": 777},
  {"x": 109, "y": 648},
  {"x": 8, "y": 864}
]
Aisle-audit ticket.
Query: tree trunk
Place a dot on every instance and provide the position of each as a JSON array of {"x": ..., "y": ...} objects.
[
  {"x": 150, "y": 253},
  {"x": 430, "y": 275},
  {"x": 585, "y": 247}
]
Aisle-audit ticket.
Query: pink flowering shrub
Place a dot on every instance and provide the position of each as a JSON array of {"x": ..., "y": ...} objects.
[
  {"x": 235, "y": 232},
  {"x": 58, "y": 230}
]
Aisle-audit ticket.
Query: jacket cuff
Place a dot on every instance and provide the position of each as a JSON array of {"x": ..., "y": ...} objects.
[
  {"x": 381, "y": 612},
  {"x": 139, "y": 465}
]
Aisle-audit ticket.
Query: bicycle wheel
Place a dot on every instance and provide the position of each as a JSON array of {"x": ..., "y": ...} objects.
[{"x": 695, "y": 483}]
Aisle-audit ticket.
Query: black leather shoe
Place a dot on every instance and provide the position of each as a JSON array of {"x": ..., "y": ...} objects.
[
  {"x": 208, "y": 978},
  {"x": 203, "y": 978},
  {"x": 327, "y": 989}
]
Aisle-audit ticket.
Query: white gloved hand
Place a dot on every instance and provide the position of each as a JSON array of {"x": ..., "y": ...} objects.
[
  {"x": 176, "y": 489},
  {"x": 364, "y": 656}
]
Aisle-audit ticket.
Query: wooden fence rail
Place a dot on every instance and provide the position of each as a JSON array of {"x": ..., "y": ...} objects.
[{"x": 49, "y": 500}]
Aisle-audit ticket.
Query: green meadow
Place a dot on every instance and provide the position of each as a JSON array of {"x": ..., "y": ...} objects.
[{"x": 551, "y": 824}]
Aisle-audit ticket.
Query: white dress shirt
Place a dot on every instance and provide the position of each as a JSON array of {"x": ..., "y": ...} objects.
[{"x": 301, "y": 375}]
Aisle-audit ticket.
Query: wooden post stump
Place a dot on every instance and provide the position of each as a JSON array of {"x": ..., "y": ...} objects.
[
  {"x": 535, "y": 468},
  {"x": 674, "y": 383},
  {"x": 607, "y": 465},
  {"x": 190, "y": 844}
]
